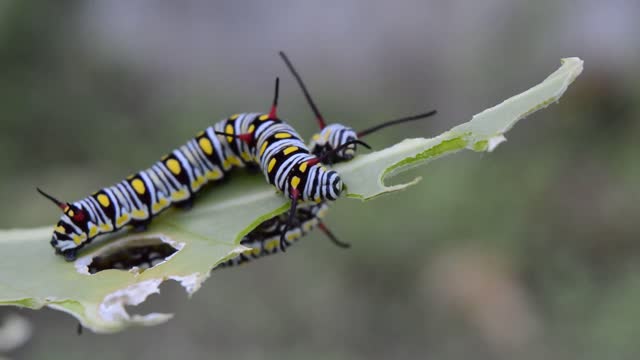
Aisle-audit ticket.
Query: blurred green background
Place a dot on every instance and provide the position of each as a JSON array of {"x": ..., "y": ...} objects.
[{"x": 531, "y": 251}]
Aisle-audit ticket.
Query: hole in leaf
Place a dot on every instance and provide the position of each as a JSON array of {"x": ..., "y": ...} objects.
[{"x": 142, "y": 254}]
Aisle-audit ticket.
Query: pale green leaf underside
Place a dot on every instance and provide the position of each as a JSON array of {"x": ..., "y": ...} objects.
[{"x": 31, "y": 276}]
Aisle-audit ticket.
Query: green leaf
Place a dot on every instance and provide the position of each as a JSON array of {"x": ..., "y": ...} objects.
[{"x": 31, "y": 276}]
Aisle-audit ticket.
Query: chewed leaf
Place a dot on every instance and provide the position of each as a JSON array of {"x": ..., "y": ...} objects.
[
  {"x": 484, "y": 132},
  {"x": 184, "y": 245}
]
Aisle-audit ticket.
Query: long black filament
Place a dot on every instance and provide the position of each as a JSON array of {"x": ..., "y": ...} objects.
[
  {"x": 332, "y": 237},
  {"x": 310, "y": 101},
  {"x": 385, "y": 124},
  {"x": 59, "y": 203}
]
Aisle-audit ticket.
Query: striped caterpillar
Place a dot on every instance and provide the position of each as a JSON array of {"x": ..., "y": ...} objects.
[
  {"x": 265, "y": 239},
  {"x": 240, "y": 140},
  {"x": 334, "y": 143}
]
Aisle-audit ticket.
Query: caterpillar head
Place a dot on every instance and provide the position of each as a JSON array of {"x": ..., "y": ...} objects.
[
  {"x": 312, "y": 181},
  {"x": 70, "y": 232},
  {"x": 332, "y": 185},
  {"x": 329, "y": 184},
  {"x": 333, "y": 137}
]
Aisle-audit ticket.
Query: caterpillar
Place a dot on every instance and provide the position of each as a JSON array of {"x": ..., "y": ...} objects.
[
  {"x": 334, "y": 143},
  {"x": 265, "y": 239},
  {"x": 240, "y": 140}
]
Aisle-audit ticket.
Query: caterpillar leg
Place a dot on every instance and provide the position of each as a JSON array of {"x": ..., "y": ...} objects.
[
  {"x": 295, "y": 194},
  {"x": 185, "y": 204},
  {"x": 70, "y": 255},
  {"x": 140, "y": 226},
  {"x": 332, "y": 237}
]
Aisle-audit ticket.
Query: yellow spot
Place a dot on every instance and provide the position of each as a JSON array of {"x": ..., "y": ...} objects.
[
  {"x": 303, "y": 167},
  {"x": 272, "y": 163},
  {"x": 255, "y": 251},
  {"x": 317, "y": 199},
  {"x": 290, "y": 149},
  {"x": 292, "y": 236},
  {"x": 315, "y": 137},
  {"x": 93, "y": 231},
  {"x": 270, "y": 245},
  {"x": 307, "y": 226},
  {"x": 322, "y": 213},
  {"x": 229, "y": 130},
  {"x": 138, "y": 186},
  {"x": 326, "y": 134},
  {"x": 106, "y": 227},
  {"x": 77, "y": 239},
  {"x": 71, "y": 213},
  {"x": 252, "y": 128},
  {"x": 179, "y": 195},
  {"x": 205, "y": 145},
  {"x": 283, "y": 135},
  {"x": 130, "y": 177},
  {"x": 264, "y": 147},
  {"x": 66, "y": 208},
  {"x": 158, "y": 206},
  {"x": 234, "y": 116},
  {"x": 200, "y": 133},
  {"x": 234, "y": 160},
  {"x": 122, "y": 220},
  {"x": 104, "y": 200},
  {"x": 197, "y": 183},
  {"x": 59, "y": 229},
  {"x": 173, "y": 165},
  {"x": 139, "y": 214},
  {"x": 245, "y": 156},
  {"x": 214, "y": 175},
  {"x": 263, "y": 117},
  {"x": 165, "y": 157},
  {"x": 295, "y": 181},
  {"x": 226, "y": 164}
]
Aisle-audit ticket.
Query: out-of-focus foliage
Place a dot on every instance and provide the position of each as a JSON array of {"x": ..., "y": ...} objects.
[{"x": 545, "y": 263}]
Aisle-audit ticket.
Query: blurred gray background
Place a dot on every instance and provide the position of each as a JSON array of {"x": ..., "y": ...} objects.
[{"x": 531, "y": 251}]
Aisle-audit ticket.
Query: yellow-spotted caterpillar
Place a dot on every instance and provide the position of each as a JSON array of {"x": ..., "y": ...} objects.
[
  {"x": 240, "y": 140},
  {"x": 335, "y": 143}
]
